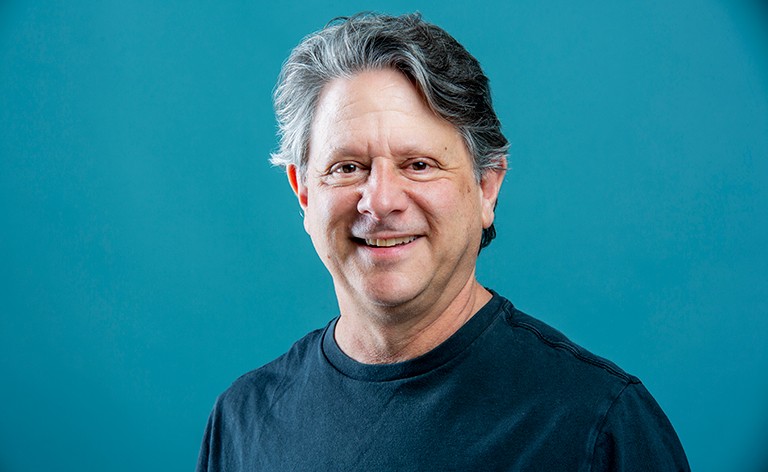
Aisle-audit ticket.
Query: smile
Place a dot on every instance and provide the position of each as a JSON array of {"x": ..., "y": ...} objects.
[{"x": 389, "y": 242}]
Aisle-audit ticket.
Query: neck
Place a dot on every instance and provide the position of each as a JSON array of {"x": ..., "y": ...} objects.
[{"x": 371, "y": 337}]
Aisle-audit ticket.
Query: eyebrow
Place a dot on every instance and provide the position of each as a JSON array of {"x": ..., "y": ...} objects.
[
  {"x": 347, "y": 151},
  {"x": 408, "y": 150}
]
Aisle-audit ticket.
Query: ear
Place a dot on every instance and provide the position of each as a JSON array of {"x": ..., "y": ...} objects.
[
  {"x": 297, "y": 185},
  {"x": 490, "y": 184}
]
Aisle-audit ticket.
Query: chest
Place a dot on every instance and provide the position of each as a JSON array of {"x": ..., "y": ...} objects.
[{"x": 432, "y": 423}]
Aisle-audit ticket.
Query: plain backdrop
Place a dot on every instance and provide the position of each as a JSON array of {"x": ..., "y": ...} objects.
[{"x": 149, "y": 254}]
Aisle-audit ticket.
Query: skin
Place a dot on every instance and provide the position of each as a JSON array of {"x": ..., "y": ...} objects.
[{"x": 382, "y": 166}]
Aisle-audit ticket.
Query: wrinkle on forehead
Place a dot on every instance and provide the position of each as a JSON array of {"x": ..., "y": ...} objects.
[{"x": 352, "y": 122}]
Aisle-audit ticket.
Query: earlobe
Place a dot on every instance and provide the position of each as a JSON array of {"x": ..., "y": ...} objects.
[{"x": 299, "y": 189}]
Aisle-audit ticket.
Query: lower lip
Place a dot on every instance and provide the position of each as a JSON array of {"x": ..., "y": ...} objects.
[{"x": 390, "y": 251}]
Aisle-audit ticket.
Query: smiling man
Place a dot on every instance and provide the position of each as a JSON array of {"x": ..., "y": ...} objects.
[
  {"x": 396, "y": 213},
  {"x": 396, "y": 157}
]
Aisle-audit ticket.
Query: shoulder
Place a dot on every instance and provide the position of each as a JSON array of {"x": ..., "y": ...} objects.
[
  {"x": 258, "y": 388},
  {"x": 235, "y": 423},
  {"x": 550, "y": 370},
  {"x": 627, "y": 428},
  {"x": 551, "y": 343}
]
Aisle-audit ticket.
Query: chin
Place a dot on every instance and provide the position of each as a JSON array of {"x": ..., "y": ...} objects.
[{"x": 389, "y": 295}]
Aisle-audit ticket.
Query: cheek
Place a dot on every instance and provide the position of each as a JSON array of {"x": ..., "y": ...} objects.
[
  {"x": 328, "y": 211},
  {"x": 451, "y": 205}
]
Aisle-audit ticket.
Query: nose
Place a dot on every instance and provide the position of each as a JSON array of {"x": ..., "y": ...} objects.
[{"x": 383, "y": 192}]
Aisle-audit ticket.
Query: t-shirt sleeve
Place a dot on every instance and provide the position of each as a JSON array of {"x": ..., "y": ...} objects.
[
  {"x": 205, "y": 447},
  {"x": 210, "y": 456},
  {"x": 637, "y": 436}
]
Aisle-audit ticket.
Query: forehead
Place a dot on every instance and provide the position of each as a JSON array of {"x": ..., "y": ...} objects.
[{"x": 377, "y": 109}]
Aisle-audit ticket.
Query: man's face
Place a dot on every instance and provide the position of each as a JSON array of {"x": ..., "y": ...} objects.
[{"x": 390, "y": 198}]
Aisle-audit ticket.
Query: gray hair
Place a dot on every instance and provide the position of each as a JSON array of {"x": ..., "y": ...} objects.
[{"x": 446, "y": 74}]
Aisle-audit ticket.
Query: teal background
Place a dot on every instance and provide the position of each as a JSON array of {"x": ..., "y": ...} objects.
[{"x": 149, "y": 254}]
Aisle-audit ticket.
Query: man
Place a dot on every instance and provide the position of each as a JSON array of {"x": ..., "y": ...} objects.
[{"x": 396, "y": 156}]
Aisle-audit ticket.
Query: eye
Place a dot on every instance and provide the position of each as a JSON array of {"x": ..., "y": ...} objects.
[
  {"x": 422, "y": 168},
  {"x": 345, "y": 173},
  {"x": 345, "y": 168}
]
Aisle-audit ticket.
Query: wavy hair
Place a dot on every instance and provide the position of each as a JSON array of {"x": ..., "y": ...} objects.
[{"x": 447, "y": 75}]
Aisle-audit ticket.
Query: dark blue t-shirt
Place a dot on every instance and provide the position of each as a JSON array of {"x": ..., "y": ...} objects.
[{"x": 505, "y": 392}]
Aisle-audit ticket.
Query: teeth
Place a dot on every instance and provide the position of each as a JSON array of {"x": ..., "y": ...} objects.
[{"x": 389, "y": 242}]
